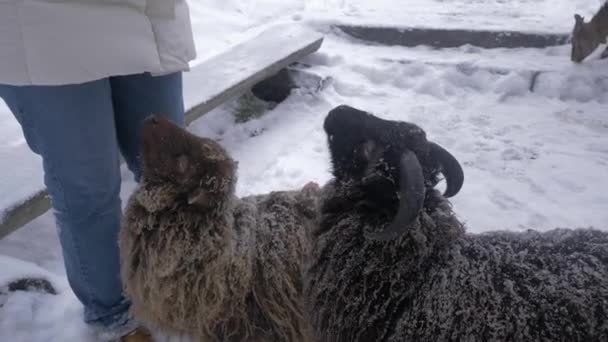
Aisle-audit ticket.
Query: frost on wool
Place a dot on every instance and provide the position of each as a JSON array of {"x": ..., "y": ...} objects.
[
  {"x": 431, "y": 281},
  {"x": 198, "y": 260}
]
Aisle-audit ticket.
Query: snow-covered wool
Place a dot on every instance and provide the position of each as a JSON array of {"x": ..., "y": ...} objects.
[
  {"x": 198, "y": 260},
  {"x": 386, "y": 267}
]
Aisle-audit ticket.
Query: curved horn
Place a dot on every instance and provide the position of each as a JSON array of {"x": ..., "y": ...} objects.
[
  {"x": 411, "y": 198},
  {"x": 450, "y": 168}
]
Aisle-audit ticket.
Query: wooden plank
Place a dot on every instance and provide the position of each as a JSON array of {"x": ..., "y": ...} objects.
[
  {"x": 450, "y": 38},
  {"x": 21, "y": 214},
  {"x": 207, "y": 86},
  {"x": 234, "y": 72}
]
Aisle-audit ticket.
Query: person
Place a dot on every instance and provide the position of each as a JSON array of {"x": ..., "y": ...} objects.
[{"x": 80, "y": 76}]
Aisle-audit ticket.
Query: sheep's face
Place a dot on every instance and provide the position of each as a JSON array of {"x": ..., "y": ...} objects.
[
  {"x": 181, "y": 168},
  {"x": 585, "y": 39},
  {"x": 391, "y": 162},
  {"x": 359, "y": 140}
]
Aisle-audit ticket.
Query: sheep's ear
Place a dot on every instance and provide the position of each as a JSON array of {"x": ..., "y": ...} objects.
[{"x": 199, "y": 196}]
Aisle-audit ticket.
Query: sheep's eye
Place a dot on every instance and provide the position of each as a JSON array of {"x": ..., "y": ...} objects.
[{"x": 182, "y": 163}]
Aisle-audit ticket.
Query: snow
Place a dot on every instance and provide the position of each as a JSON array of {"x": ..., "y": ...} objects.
[
  {"x": 23, "y": 310},
  {"x": 532, "y": 159}
]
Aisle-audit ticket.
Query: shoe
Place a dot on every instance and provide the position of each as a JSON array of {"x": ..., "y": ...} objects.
[{"x": 137, "y": 335}]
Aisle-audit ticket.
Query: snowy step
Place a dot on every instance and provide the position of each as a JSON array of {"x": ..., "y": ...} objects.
[
  {"x": 537, "y": 79},
  {"x": 546, "y": 72},
  {"x": 438, "y": 78},
  {"x": 449, "y": 38},
  {"x": 207, "y": 86}
]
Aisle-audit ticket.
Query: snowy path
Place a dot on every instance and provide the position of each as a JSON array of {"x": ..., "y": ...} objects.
[{"x": 532, "y": 160}]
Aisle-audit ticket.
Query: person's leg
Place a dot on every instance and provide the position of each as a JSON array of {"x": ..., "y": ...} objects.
[
  {"x": 136, "y": 97},
  {"x": 73, "y": 129}
]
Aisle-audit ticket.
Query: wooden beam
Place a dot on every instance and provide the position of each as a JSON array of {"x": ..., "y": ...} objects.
[
  {"x": 234, "y": 72},
  {"x": 207, "y": 86},
  {"x": 23, "y": 213}
]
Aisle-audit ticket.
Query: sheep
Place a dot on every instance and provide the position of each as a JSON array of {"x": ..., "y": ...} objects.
[
  {"x": 587, "y": 36},
  {"x": 392, "y": 262},
  {"x": 198, "y": 260}
]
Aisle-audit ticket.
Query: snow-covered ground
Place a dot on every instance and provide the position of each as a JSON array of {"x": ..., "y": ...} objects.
[{"x": 531, "y": 159}]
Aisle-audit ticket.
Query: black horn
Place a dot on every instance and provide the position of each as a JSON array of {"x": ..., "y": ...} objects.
[
  {"x": 411, "y": 198},
  {"x": 450, "y": 168}
]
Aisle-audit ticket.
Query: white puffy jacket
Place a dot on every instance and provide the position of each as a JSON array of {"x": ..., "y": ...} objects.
[{"x": 53, "y": 42}]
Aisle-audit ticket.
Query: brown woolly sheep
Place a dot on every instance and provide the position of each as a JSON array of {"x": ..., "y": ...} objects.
[
  {"x": 392, "y": 262},
  {"x": 198, "y": 260},
  {"x": 587, "y": 36}
]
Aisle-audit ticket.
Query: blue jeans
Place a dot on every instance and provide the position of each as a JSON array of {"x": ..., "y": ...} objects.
[{"x": 78, "y": 130}]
